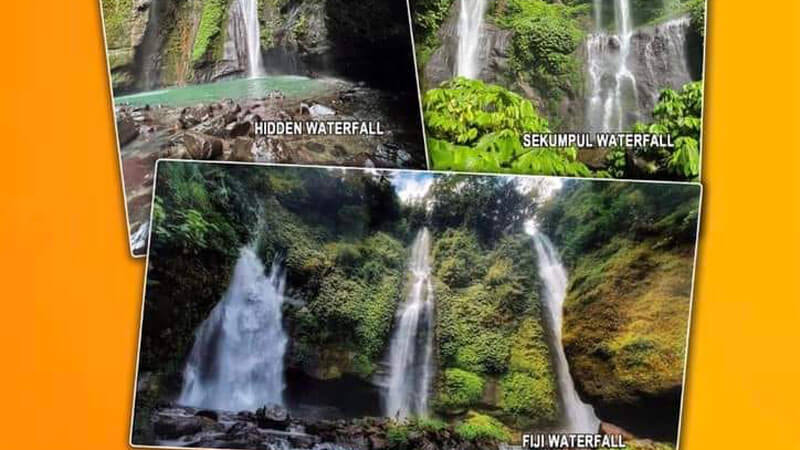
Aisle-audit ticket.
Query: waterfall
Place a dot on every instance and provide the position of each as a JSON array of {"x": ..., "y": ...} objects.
[
  {"x": 237, "y": 359},
  {"x": 249, "y": 9},
  {"x": 628, "y": 68},
  {"x": 612, "y": 84},
  {"x": 470, "y": 22},
  {"x": 411, "y": 349},
  {"x": 578, "y": 417}
]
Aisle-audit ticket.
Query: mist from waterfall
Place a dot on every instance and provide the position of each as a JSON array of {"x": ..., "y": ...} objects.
[
  {"x": 470, "y": 23},
  {"x": 237, "y": 361},
  {"x": 577, "y": 417},
  {"x": 255, "y": 64},
  {"x": 411, "y": 350}
]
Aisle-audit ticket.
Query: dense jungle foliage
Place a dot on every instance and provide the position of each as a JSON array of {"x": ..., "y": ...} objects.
[
  {"x": 473, "y": 126},
  {"x": 680, "y": 115},
  {"x": 540, "y": 86},
  {"x": 343, "y": 237}
]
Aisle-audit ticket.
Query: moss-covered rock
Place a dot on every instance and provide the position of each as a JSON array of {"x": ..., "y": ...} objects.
[{"x": 492, "y": 353}]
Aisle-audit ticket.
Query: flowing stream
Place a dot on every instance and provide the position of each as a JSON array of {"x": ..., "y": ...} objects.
[
  {"x": 411, "y": 349},
  {"x": 470, "y": 22},
  {"x": 578, "y": 417},
  {"x": 249, "y": 10},
  {"x": 237, "y": 359}
]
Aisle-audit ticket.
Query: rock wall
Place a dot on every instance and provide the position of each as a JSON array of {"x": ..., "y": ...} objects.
[
  {"x": 156, "y": 43},
  {"x": 492, "y": 53}
]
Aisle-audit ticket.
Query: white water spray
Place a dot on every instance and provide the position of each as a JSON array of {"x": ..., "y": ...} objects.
[
  {"x": 249, "y": 9},
  {"x": 470, "y": 23},
  {"x": 578, "y": 417},
  {"x": 237, "y": 359},
  {"x": 608, "y": 60},
  {"x": 411, "y": 348}
]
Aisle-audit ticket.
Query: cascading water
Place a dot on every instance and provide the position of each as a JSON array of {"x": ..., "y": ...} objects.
[
  {"x": 411, "y": 349},
  {"x": 249, "y": 9},
  {"x": 628, "y": 68},
  {"x": 237, "y": 359},
  {"x": 608, "y": 61},
  {"x": 470, "y": 22},
  {"x": 578, "y": 417}
]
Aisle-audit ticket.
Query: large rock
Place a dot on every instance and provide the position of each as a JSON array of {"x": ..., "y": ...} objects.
[
  {"x": 174, "y": 426},
  {"x": 243, "y": 149},
  {"x": 273, "y": 417},
  {"x": 127, "y": 130},
  {"x": 201, "y": 146}
]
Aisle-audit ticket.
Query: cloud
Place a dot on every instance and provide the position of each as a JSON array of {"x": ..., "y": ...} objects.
[{"x": 412, "y": 187}]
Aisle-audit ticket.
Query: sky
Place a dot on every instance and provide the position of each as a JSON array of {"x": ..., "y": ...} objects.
[{"x": 412, "y": 186}]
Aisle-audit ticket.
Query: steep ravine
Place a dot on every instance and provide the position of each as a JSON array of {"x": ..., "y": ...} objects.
[{"x": 158, "y": 43}]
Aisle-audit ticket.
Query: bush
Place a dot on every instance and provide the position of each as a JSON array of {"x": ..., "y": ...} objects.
[
  {"x": 479, "y": 427},
  {"x": 210, "y": 28},
  {"x": 459, "y": 389},
  {"x": 545, "y": 39},
  {"x": 474, "y": 126}
]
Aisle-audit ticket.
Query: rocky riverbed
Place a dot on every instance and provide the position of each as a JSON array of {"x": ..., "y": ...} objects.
[
  {"x": 225, "y": 130},
  {"x": 273, "y": 428}
]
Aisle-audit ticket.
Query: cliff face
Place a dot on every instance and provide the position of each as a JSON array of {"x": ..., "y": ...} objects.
[
  {"x": 625, "y": 324},
  {"x": 156, "y": 43},
  {"x": 629, "y": 251}
]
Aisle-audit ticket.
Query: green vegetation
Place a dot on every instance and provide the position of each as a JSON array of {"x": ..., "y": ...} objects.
[
  {"x": 529, "y": 390},
  {"x": 478, "y": 427},
  {"x": 697, "y": 13},
  {"x": 210, "y": 32},
  {"x": 630, "y": 251},
  {"x": 473, "y": 126},
  {"x": 459, "y": 389},
  {"x": 546, "y": 36},
  {"x": 680, "y": 115},
  {"x": 427, "y": 17},
  {"x": 489, "y": 330},
  {"x": 117, "y": 15},
  {"x": 343, "y": 239}
]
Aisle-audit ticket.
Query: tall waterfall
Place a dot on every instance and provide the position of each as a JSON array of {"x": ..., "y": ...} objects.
[
  {"x": 411, "y": 350},
  {"x": 612, "y": 83},
  {"x": 252, "y": 30},
  {"x": 237, "y": 359},
  {"x": 628, "y": 68},
  {"x": 470, "y": 22},
  {"x": 578, "y": 417}
]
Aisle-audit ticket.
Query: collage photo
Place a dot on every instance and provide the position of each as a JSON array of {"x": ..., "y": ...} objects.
[{"x": 410, "y": 224}]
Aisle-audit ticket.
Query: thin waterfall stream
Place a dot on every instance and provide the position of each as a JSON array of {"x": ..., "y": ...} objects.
[
  {"x": 411, "y": 350},
  {"x": 608, "y": 60},
  {"x": 627, "y": 68},
  {"x": 470, "y": 23},
  {"x": 577, "y": 416},
  {"x": 237, "y": 361},
  {"x": 249, "y": 9}
]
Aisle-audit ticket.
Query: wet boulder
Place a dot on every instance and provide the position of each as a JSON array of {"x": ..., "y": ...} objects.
[{"x": 273, "y": 417}]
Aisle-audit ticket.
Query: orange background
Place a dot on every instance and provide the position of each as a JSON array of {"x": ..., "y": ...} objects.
[{"x": 71, "y": 294}]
